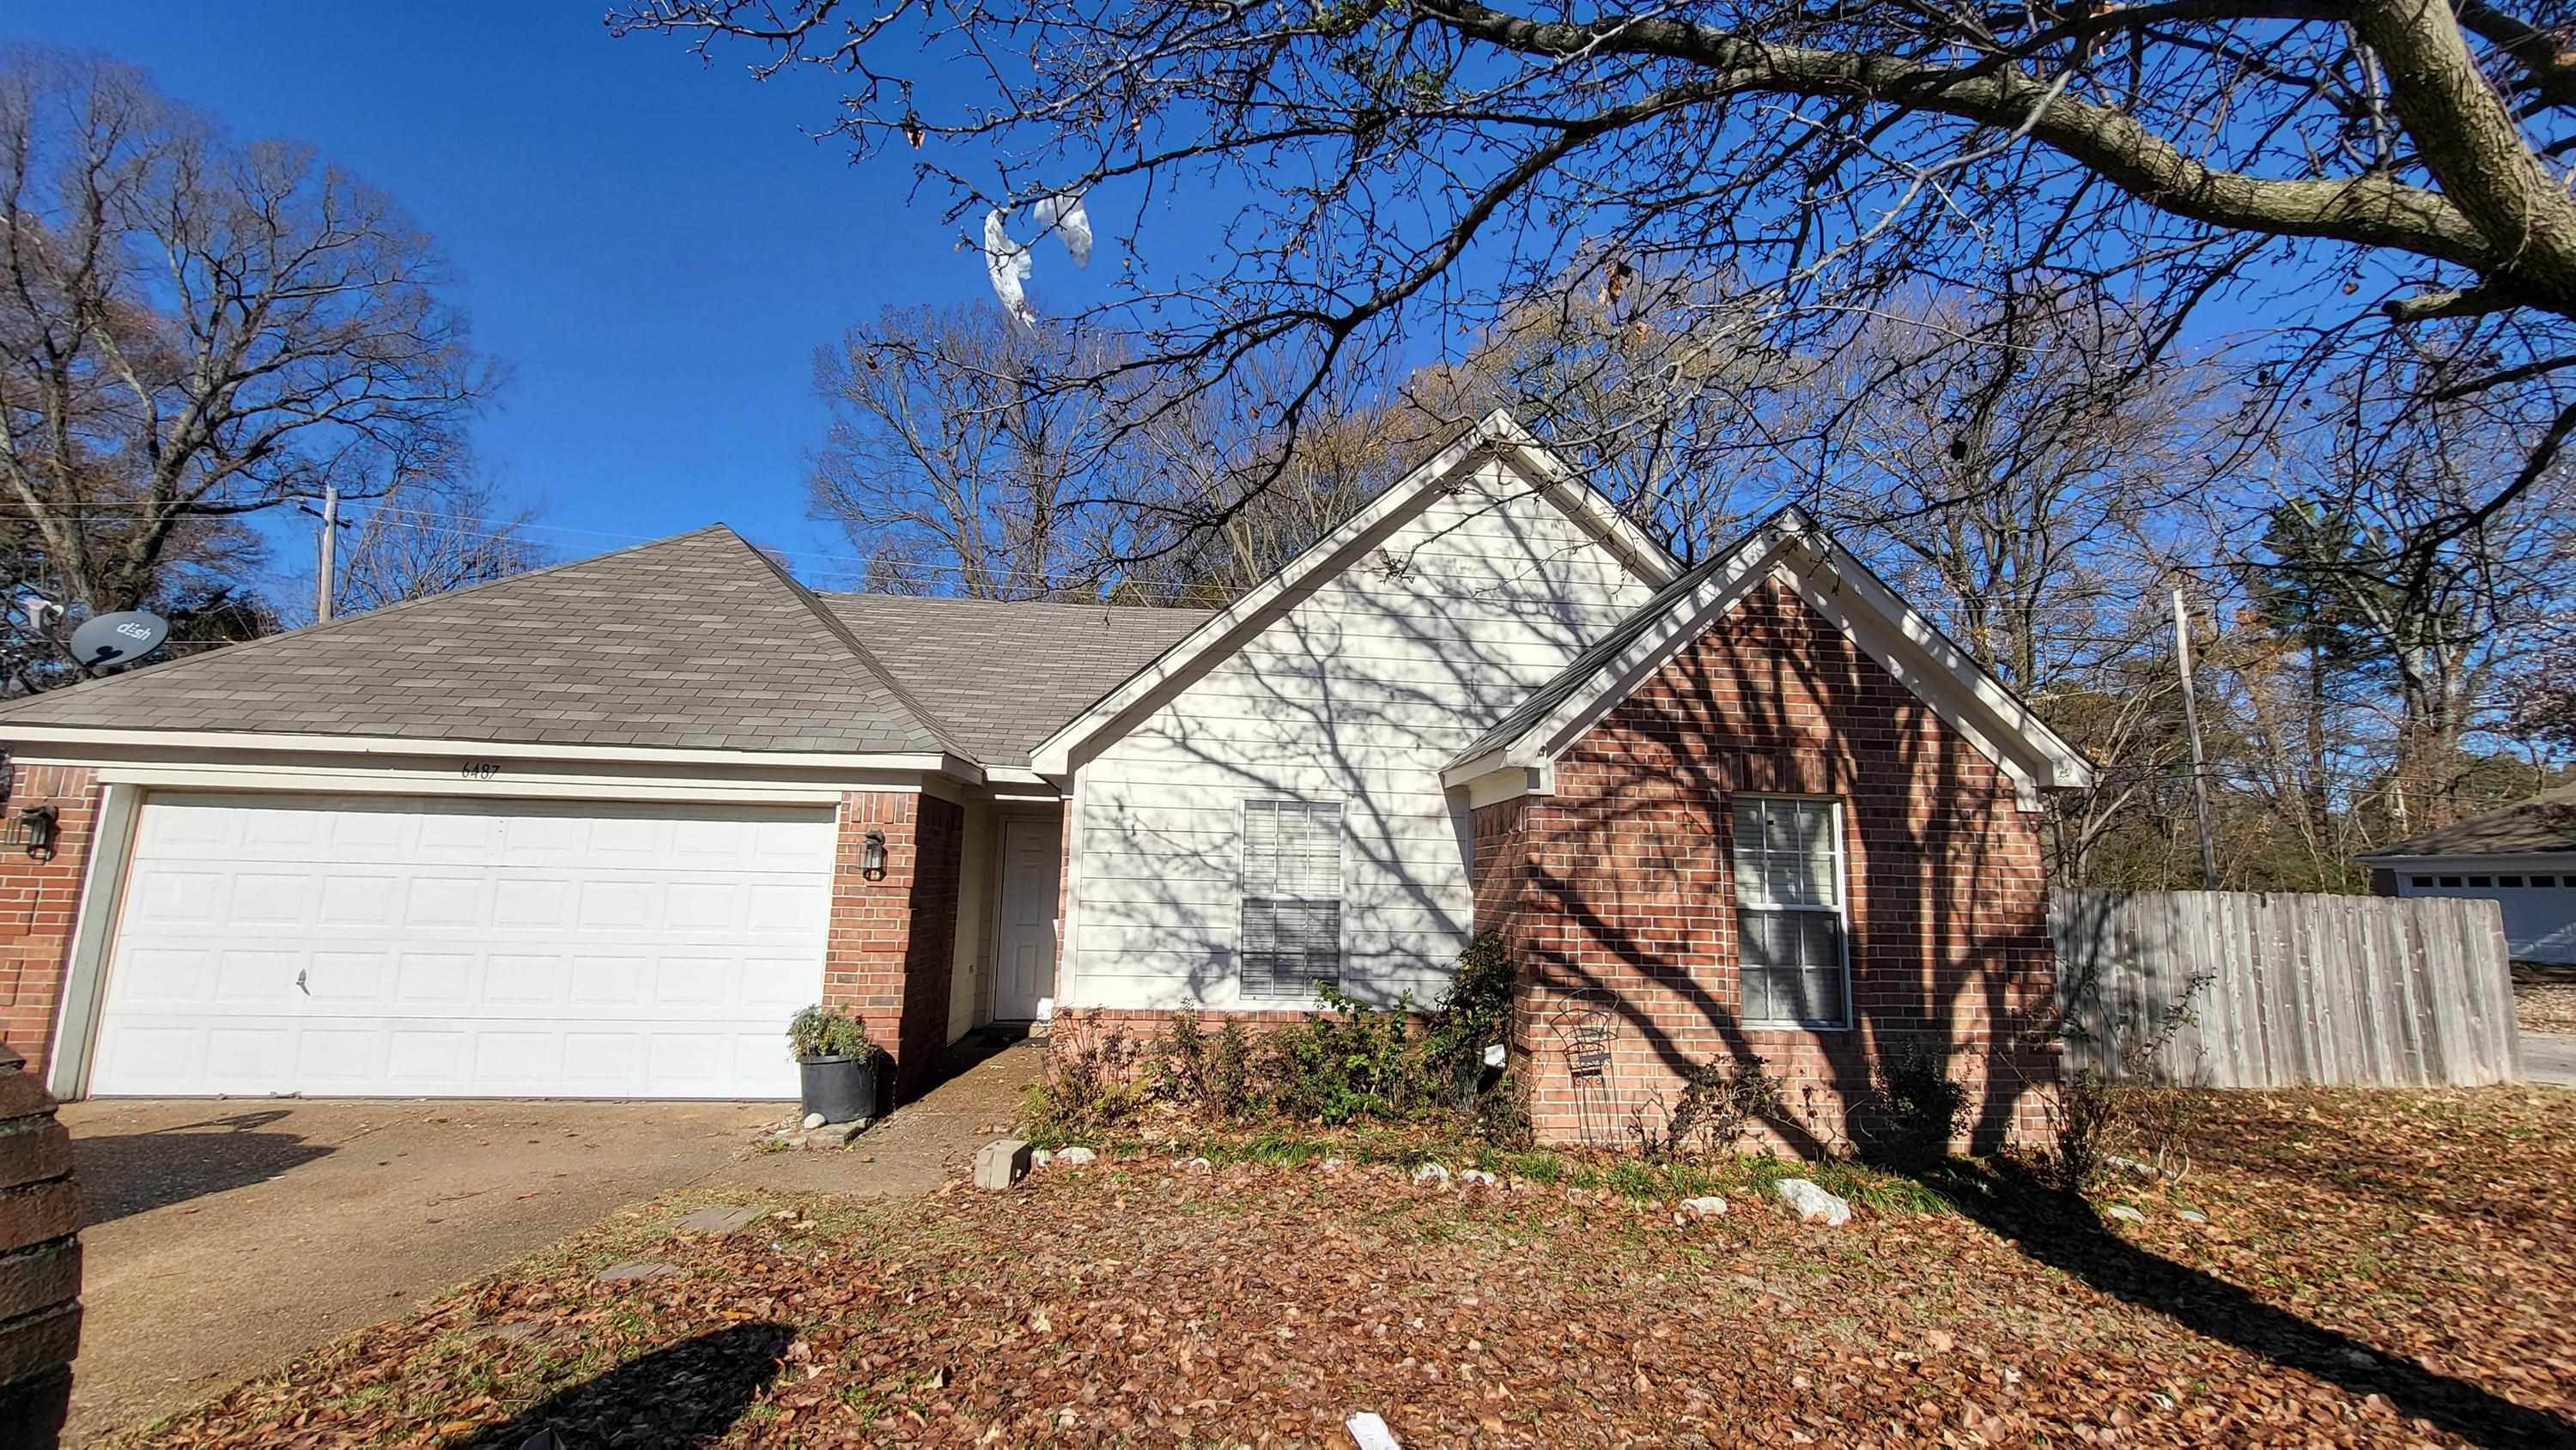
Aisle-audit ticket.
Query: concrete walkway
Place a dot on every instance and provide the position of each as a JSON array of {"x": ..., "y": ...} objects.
[
  {"x": 225, "y": 1237},
  {"x": 2549, "y": 1057}
]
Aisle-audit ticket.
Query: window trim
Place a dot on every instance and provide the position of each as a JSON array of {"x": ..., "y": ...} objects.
[
  {"x": 1244, "y": 896},
  {"x": 1841, "y": 910}
]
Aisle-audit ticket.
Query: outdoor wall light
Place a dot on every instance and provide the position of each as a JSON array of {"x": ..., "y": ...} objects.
[
  {"x": 872, "y": 856},
  {"x": 36, "y": 828}
]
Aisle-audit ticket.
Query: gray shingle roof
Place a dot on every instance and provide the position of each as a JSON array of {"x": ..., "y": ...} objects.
[
  {"x": 2546, "y": 822},
  {"x": 699, "y": 641},
  {"x": 1005, "y": 676}
]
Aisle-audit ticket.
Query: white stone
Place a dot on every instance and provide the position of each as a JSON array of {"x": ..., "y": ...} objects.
[
  {"x": 1336, "y": 1165},
  {"x": 1813, "y": 1204},
  {"x": 1711, "y": 1206},
  {"x": 1076, "y": 1156},
  {"x": 1430, "y": 1173},
  {"x": 813, "y": 1121},
  {"x": 2125, "y": 1213},
  {"x": 2132, "y": 1167},
  {"x": 1039, "y": 1158},
  {"x": 1478, "y": 1178},
  {"x": 1197, "y": 1165},
  {"x": 2187, "y": 1216}
]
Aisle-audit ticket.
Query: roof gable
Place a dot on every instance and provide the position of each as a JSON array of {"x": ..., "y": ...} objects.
[
  {"x": 1498, "y": 434},
  {"x": 1792, "y": 547},
  {"x": 698, "y": 642}
]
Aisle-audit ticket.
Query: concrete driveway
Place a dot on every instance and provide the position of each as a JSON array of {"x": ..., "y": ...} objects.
[
  {"x": 2549, "y": 1057},
  {"x": 224, "y": 1237}
]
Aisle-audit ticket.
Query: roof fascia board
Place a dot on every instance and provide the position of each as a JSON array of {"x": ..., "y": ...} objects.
[
  {"x": 1570, "y": 491},
  {"x": 2050, "y": 759},
  {"x": 1326, "y": 558},
  {"x": 2490, "y": 861},
  {"x": 957, "y": 766},
  {"x": 1881, "y": 640},
  {"x": 1684, "y": 620}
]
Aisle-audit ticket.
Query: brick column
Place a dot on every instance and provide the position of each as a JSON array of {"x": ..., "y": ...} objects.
[
  {"x": 894, "y": 932},
  {"x": 39, "y": 1262},
  {"x": 39, "y": 897}
]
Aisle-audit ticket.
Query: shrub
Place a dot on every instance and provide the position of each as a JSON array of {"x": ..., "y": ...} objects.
[
  {"x": 1923, "y": 1107},
  {"x": 2087, "y": 1118},
  {"x": 1347, "y": 1062},
  {"x": 1088, "y": 1089},
  {"x": 820, "y": 1031},
  {"x": 1720, "y": 1101},
  {"x": 1210, "y": 1074},
  {"x": 1474, "y": 1014}
]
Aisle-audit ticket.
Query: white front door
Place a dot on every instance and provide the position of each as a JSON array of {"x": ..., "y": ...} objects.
[
  {"x": 1031, "y": 852},
  {"x": 383, "y": 946}
]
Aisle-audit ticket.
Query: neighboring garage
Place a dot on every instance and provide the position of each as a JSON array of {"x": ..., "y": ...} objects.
[
  {"x": 2522, "y": 857},
  {"x": 342, "y": 945}
]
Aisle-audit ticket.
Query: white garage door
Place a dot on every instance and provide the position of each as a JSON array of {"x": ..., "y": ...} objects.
[{"x": 471, "y": 948}]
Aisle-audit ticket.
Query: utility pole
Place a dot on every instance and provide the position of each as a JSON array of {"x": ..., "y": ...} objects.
[
  {"x": 330, "y": 545},
  {"x": 2191, "y": 726}
]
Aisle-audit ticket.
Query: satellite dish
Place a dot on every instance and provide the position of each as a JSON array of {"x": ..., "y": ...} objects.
[{"x": 118, "y": 638}]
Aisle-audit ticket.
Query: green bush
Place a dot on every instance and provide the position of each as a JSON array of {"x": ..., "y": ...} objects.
[
  {"x": 1210, "y": 1074},
  {"x": 820, "y": 1031},
  {"x": 1348, "y": 1062},
  {"x": 1924, "y": 1107},
  {"x": 1475, "y": 1013},
  {"x": 1090, "y": 1088}
]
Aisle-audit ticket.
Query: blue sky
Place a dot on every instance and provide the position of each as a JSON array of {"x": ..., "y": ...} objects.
[{"x": 648, "y": 240}]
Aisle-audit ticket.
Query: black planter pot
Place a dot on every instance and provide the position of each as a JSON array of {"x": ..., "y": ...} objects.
[{"x": 844, "y": 1089}]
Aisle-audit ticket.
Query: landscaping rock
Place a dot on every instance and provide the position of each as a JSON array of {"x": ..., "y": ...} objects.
[
  {"x": 813, "y": 1121},
  {"x": 1001, "y": 1163},
  {"x": 1813, "y": 1204},
  {"x": 2187, "y": 1216},
  {"x": 2125, "y": 1213},
  {"x": 1197, "y": 1165},
  {"x": 717, "y": 1220},
  {"x": 1431, "y": 1173},
  {"x": 1076, "y": 1157},
  {"x": 1711, "y": 1206},
  {"x": 1478, "y": 1178},
  {"x": 2132, "y": 1167},
  {"x": 631, "y": 1272},
  {"x": 1335, "y": 1165},
  {"x": 1040, "y": 1158}
]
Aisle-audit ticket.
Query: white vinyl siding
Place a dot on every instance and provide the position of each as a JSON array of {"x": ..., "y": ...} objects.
[
  {"x": 1789, "y": 918},
  {"x": 1360, "y": 693},
  {"x": 1292, "y": 899}
]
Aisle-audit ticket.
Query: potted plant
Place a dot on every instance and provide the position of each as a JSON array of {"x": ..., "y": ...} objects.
[{"x": 843, "y": 1073}]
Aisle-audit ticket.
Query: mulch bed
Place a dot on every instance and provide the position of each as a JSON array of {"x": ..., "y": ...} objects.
[
  {"x": 2375, "y": 1268},
  {"x": 2544, "y": 997}
]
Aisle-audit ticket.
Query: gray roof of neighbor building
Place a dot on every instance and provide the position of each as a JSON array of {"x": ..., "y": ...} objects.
[
  {"x": 2544, "y": 823},
  {"x": 1004, "y": 676},
  {"x": 698, "y": 641}
]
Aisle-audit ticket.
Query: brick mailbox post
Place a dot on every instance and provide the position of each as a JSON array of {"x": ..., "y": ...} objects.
[{"x": 39, "y": 1262}]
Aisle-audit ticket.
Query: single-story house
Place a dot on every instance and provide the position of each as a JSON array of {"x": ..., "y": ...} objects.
[
  {"x": 598, "y": 829},
  {"x": 2522, "y": 857}
]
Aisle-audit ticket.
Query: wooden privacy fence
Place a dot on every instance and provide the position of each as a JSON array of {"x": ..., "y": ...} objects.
[{"x": 2349, "y": 990}]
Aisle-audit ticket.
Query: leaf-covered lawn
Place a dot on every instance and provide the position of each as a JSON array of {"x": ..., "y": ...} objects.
[{"x": 2375, "y": 1268}]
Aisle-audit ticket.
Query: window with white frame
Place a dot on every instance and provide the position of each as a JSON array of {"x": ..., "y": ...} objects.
[
  {"x": 1292, "y": 899},
  {"x": 1789, "y": 911}
]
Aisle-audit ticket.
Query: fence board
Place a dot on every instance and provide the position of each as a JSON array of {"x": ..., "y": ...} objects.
[{"x": 2342, "y": 990}]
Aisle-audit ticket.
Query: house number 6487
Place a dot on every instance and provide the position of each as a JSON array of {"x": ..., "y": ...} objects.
[{"x": 480, "y": 769}]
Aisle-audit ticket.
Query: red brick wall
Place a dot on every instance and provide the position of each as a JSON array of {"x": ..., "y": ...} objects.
[
  {"x": 40, "y": 1264},
  {"x": 38, "y": 900},
  {"x": 1622, "y": 880},
  {"x": 893, "y": 935}
]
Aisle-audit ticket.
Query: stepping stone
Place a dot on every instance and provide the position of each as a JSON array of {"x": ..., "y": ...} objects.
[{"x": 717, "y": 1221}]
